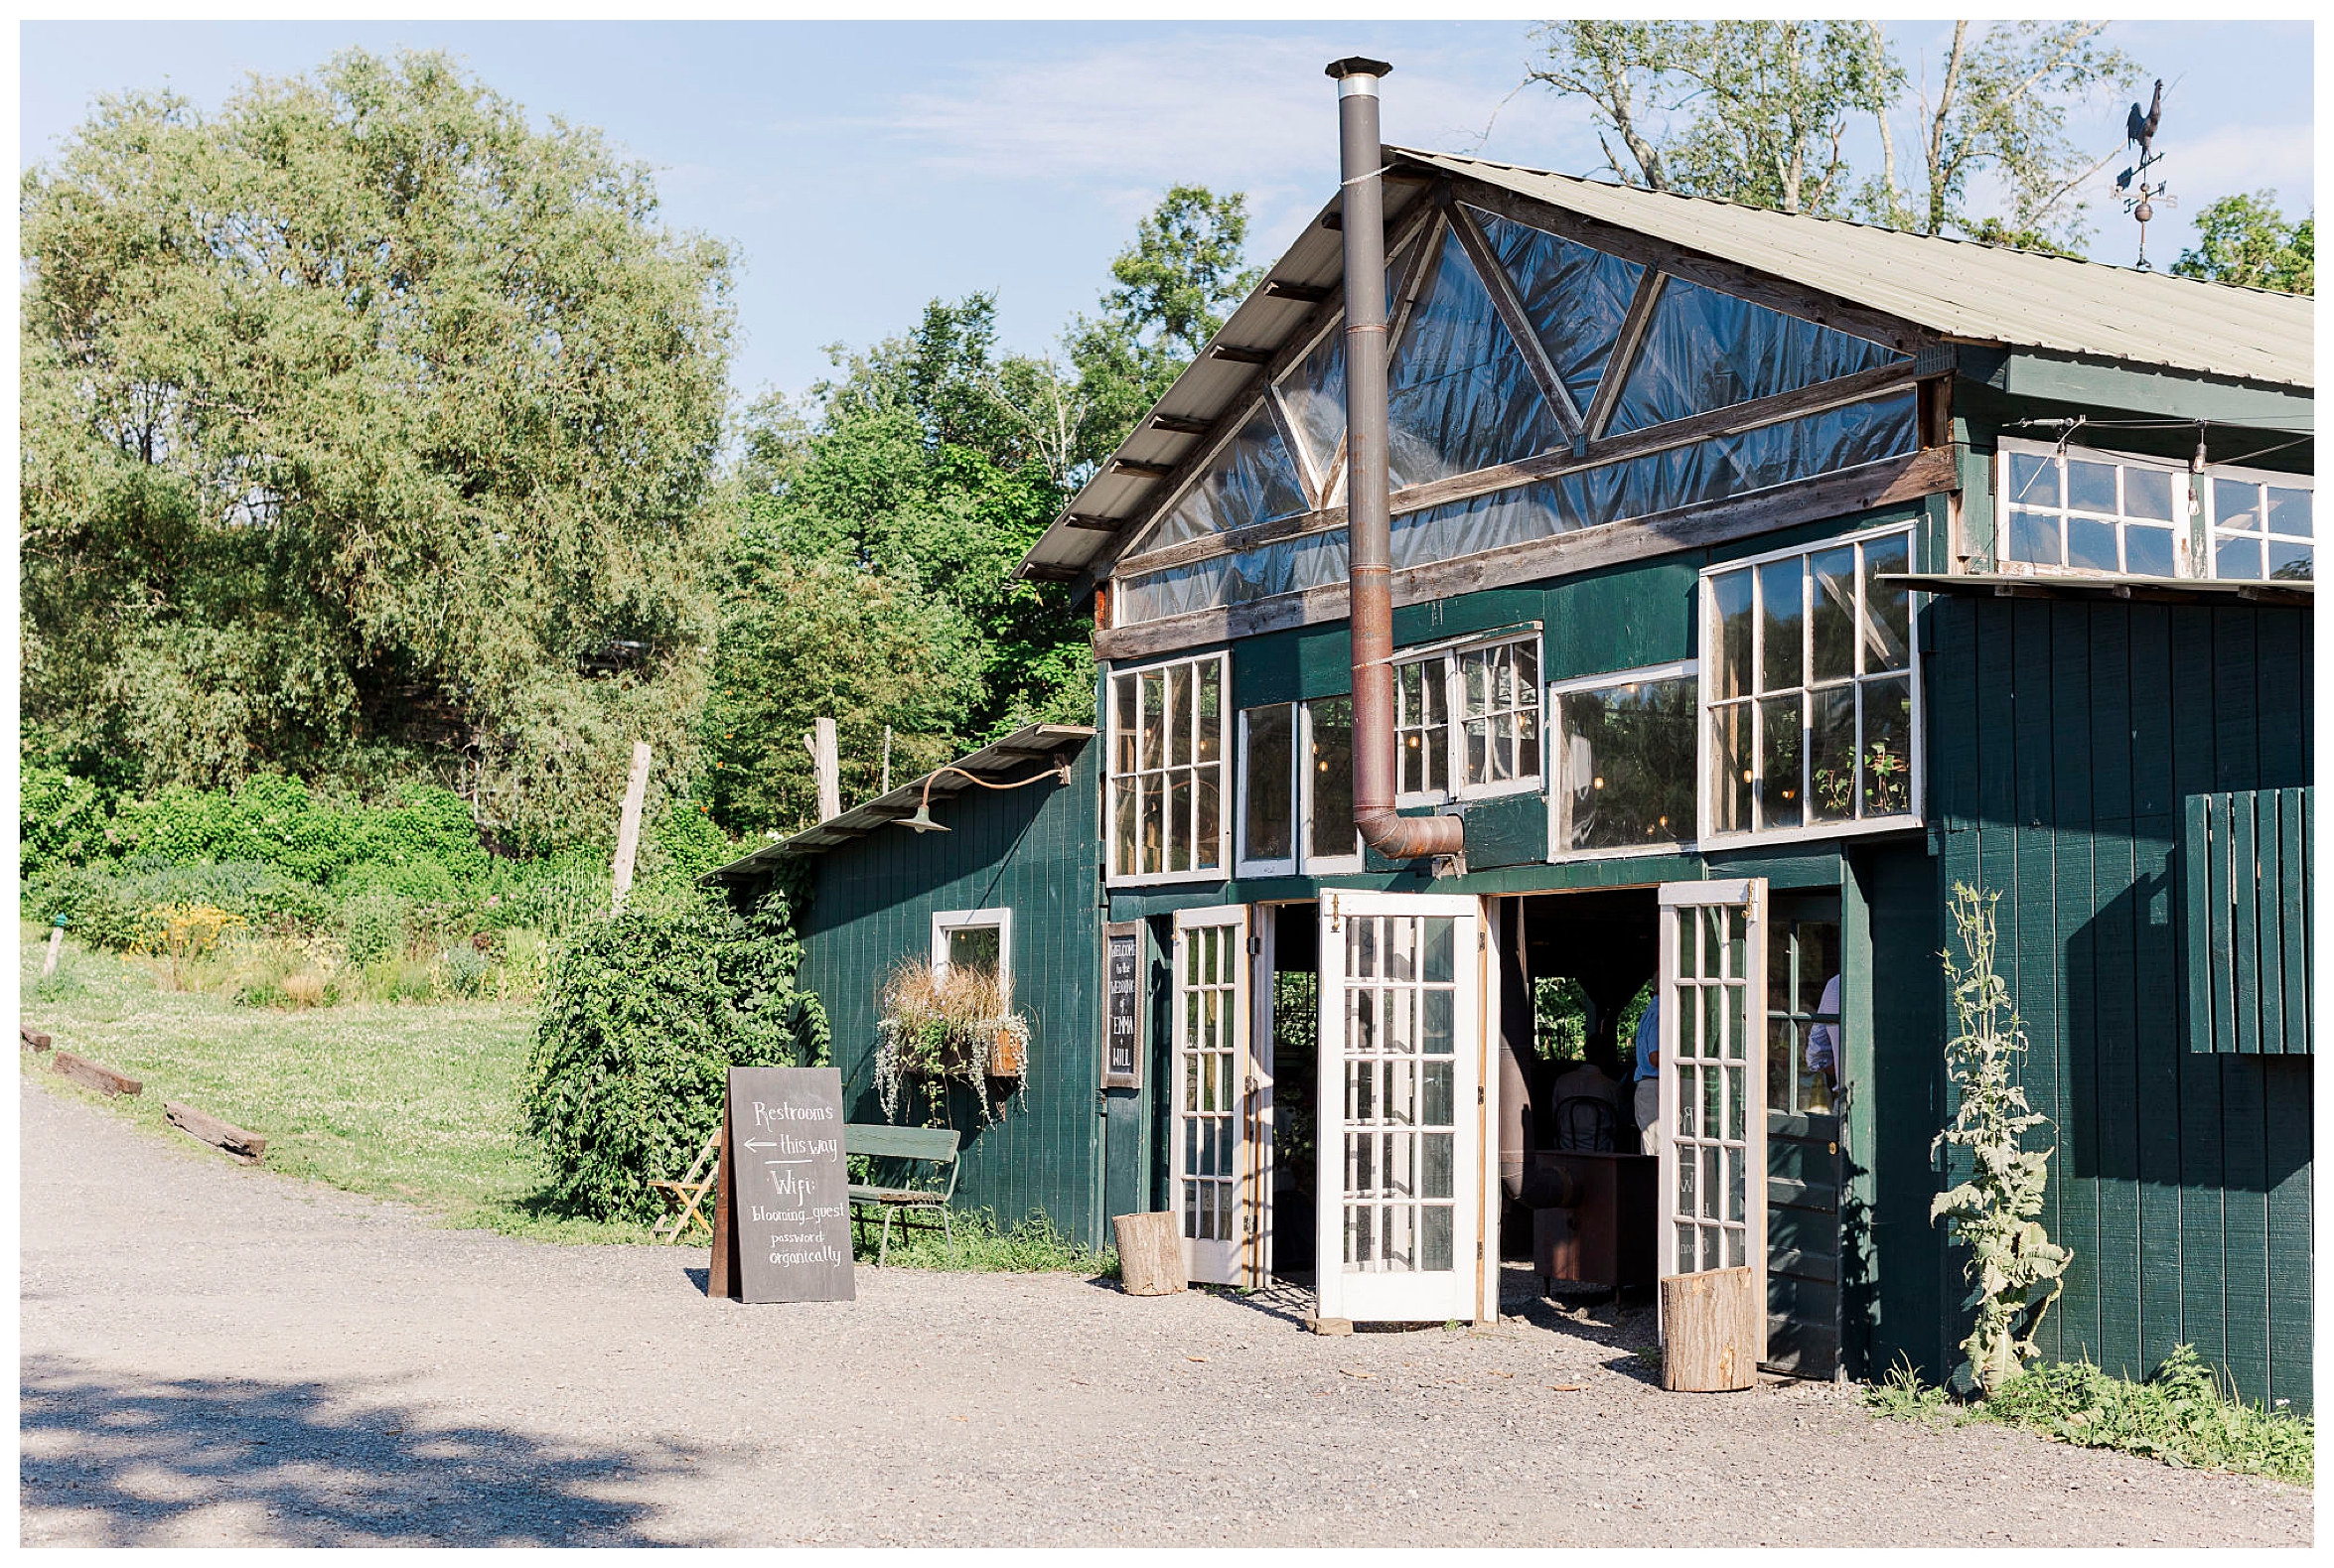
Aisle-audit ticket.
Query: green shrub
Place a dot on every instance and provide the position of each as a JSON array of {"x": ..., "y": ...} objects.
[
  {"x": 372, "y": 927},
  {"x": 464, "y": 971},
  {"x": 420, "y": 879},
  {"x": 60, "y": 821},
  {"x": 109, "y": 909},
  {"x": 643, "y": 1017}
]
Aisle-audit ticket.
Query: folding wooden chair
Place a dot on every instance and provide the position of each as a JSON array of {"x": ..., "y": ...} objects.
[{"x": 689, "y": 1193}]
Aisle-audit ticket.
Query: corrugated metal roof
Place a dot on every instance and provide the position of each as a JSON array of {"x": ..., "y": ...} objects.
[
  {"x": 1973, "y": 293},
  {"x": 1962, "y": 289},
  {"x": 1031, "y": 743}
]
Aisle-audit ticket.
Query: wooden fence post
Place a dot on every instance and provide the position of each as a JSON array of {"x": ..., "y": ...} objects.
[
  {"x": 628, "y": 827},
  {"x": 827, "y": 764}
]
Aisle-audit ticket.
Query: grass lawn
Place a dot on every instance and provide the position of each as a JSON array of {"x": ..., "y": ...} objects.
[{"x": 415, "y": 1101}]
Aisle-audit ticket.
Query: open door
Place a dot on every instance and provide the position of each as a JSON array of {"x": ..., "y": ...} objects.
[
  {"x": 1402, "y": 1109},
  {"x": 1713, "y": 1074},
  {"x": 1218, "y": 1094}
]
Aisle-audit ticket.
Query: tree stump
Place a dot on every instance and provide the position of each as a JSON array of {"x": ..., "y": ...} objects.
[
  {"x": 1151, "y": 1254},
  {"x": 1709, "y": 1332}
]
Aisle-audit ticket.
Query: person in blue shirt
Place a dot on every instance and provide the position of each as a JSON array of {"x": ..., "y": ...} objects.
[{"x": 1647, "y": 1045}]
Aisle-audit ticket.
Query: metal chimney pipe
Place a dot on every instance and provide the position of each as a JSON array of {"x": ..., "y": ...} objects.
[{"x": 1370, "y": 573}]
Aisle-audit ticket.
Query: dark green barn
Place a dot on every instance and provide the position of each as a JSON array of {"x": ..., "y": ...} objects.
[{"x": 1754, "y": 580}]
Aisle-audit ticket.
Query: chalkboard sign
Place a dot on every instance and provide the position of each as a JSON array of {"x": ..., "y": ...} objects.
[
  {"x": 1122, "y": 1032},
  {"x": 784, "y": 1190}
]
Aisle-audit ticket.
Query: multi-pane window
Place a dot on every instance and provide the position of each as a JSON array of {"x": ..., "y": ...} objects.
[
  {"x": 1808, "y": 690},
  {"x": 2261, "y": 525},
  {"x": 1401, "y": 1110},
  {"x": 974, "y": 940},
  {"x": 1296, "y": 810},
  {"x": 1624, "y": 762},
  {"x": 1167, "y": 771},
  {"x": 1803, "y": 1030},
  {"x": 1467, "y": 721},
  {"x": 2080, "y": 510}
]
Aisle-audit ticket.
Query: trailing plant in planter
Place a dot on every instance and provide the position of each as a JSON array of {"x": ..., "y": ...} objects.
[
  {"x": 939, "y": 1026},
  {"x": 2015, "y": 1271}
]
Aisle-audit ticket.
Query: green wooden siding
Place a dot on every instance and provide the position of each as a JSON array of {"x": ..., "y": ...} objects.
[
  {"x": 2182, "y": 1179},
  {"x": 1036, "y": 852},
  {"x": 2245, "y": 866}
]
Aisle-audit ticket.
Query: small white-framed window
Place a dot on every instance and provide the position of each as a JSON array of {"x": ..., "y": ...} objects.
[
  {"x": 1296, "y": 788},
  {"x": 974, "y": 940},
  {"x": 1810, "y": 692},
  {"x": 1622, "y": 766},
  {"x": 2084, "y": 510},
  {"x": 1467, "y": 721},
  {"x": 1167, "y": 816},
  {"x": 2261, "y": 524}
]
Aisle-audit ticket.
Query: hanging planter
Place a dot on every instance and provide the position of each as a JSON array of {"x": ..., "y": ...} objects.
[{"x": 934, "y": 1029}]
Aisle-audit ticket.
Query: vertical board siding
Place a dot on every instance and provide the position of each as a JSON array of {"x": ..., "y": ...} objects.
[
  {"x": 2246, "y": 859},
  {"x": 2075, "y": 746},
  {"x": 1032, "y": 851}
]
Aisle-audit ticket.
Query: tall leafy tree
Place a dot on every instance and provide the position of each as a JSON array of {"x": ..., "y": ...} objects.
[
  {"x": 1761, "y": 111},
  {"x": 2247, "y": 241},
  {"x": 367, "y": 428}
]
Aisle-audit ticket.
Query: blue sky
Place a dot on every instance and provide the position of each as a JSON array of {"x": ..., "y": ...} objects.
[{"x": 863, "y": 168}]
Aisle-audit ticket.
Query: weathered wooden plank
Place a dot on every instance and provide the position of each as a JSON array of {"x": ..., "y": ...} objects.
[
  {"x": 2116, "y": 907},
  {"x": 2246, "y": 1223},
  {"x": 2030, "y": 713},
  {"x": 2282, "y": 647},
  {"x": 1996, "y": 710},
  {"x": 2245, "y": 943},
  {"x": 2266, "y": 956},
  {"x": 2157, "y": 1051},
  {"x": 2029, "y": 912},
  {"x": 95, "y": 1075},
  {"x": 2219, "y": 939},
  {"x": 2074, "y": 1042},
  {"x": 2196, "y": 876},
  {"x": 2149, "y": 710},
  {"x": 2237, "y": 716},
  {"x": 1865, "y": 488},
  {"x": 225, "y": 1136},
  {"x": 34, "y": 1037},
  {"x": 2109, "y": 759},
  {"x": 1518, "y": 321},
  {"x": 1952, "y": 718},
  {"x": 2293, "y": 894},
  {"x": 1624, "y": 355},
  {"x": 2285, "y": 1147},
  {"x": 2070, "y": 709}
]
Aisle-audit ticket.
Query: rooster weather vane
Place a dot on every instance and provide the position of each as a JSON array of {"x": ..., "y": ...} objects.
[{"x": 2139, "y": 130}]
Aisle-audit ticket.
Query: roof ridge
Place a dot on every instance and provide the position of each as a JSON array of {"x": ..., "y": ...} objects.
[{"x": 1852, "y": 223}]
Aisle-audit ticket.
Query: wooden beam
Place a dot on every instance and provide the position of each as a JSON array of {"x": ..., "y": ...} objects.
[
  {"x": 1177, "y": 425},
  {"x": 1141, "y": 469},
  {"x": 1307, "y": 479},
  {"x": 95, "y": 1075},
  {"x": 1623, "y": 354},
  {"x": 1087, "y": 520},
  {"x": 1047, "y": 572},
  {"x": 1697, "y": 266},
  {"x": 1518, "y": 321},
  {"x": 1298, "y": 343},
  {"x": 1237, "y": 354},
  {"x": 1304, "y": 293},
  {"x": 248, "y": 1147},
  {"x": 1845, "y": 492},
  {"x": 34, "y": 1038},
  {"x": 1735, "y": 420}
]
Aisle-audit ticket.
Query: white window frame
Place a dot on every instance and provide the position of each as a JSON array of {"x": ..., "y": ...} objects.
[
  {"x": 1704, "y": 805},
  {"x": 1451, "y": 653},
  {"x": 2196, "y": 531},
  {"x": 1551, "y": 723},
  {"x": 1225, "y": 789},
  {"x": 944, "y": 922},
  {"x": 2209, "y": 515},
  {"x": 1285, "y": 866},
  {"x": 1308, "y": 863}
]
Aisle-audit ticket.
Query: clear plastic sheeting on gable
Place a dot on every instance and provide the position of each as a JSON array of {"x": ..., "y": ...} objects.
[
  {"x": 1707, "y": 471},
  {"x": 1459, "y": 395},
  {"x": 1577, "y": 297},
  {"x": 1703, "y": 350},
  {"x": 1312, "y": 560},
  {"x": 1314, "y": 392},
  {"x": 1250, "y": 480}
]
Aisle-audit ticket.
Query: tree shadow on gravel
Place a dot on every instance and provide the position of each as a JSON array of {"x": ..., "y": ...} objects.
[{"x": 297, "y": 1467}]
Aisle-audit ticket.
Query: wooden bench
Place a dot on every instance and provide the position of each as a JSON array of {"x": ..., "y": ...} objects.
[{"x": 899, "y": 1151}]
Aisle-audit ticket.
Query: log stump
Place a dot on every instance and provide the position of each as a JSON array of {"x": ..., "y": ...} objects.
[
  {"x": 1151, "y": 1254},
  {"x": 1709, "y": 1332}
]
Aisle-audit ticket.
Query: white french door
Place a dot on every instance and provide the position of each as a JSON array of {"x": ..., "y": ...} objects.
[
  {"x": 1217, "y": 1096},
  {"x": 1713, "y": 1075},
  {"x": 1401, "y": 1110}
]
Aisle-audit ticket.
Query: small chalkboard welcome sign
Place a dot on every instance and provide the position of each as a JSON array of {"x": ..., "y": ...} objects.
[
  {"x": 1123, "y": 1034},
  {"x": 782, "y": 1231}
]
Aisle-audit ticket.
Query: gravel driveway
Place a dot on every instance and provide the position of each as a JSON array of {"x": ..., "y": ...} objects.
[{"x": 216, "y": 1355}]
